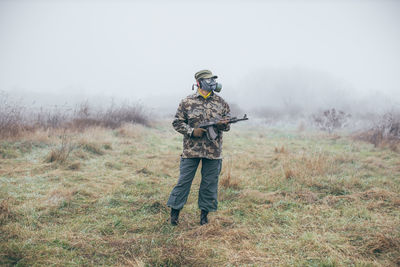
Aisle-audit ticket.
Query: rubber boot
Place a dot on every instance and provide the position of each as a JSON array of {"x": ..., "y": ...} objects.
[
  {"x": 174, "y": 216},
  {"x": 203, "y": 217}
]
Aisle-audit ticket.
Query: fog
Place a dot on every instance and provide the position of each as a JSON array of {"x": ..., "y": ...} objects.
[{"x": 279, "y": 54}]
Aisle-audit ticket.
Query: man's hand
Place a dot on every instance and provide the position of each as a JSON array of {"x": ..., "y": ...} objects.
[
  {"x": 198, "y": 132},
  {"x": 222, "y": 124}
]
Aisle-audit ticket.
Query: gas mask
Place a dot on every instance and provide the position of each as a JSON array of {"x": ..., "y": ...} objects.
[{"x": 209, "y": 84}]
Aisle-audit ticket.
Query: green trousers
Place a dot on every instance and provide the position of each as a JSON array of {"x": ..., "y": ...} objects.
[{"x": 208, "y": 191}]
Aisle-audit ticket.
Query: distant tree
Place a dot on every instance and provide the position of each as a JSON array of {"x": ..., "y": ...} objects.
[
  {"x": 385, "y": 132},
  {"x": 330, "y": 120},
  {"x": 389, "y": 125}
]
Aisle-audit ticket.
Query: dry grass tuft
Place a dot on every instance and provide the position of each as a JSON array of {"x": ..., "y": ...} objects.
[
  {"x": 228, "y": 182},
  {"x": 157, "y": 207},
  {"x": 124, "y": 246},
  {"x": 81, "y": 124},
  {"x": 98, "y": 134},
  {"x": 379, "y": 194},
  {"x": 135, "y": 262},
  {"x": 381, "y": 244},
  {"x": 304, "y": 166},
  {"x": 75, "y": 166},
  {"x": 61, "y": 153},
  {"x": 301, "y": 126},
  {"x": 59, "y": 195},
  {"x": 216, "y": 228},
  {"x": 57, "y": 155},
  {"x": 180, "y": 253},
  {"x": 8, "y": 152},
  {"x": 289, "y": 174},
  {"x": 332, "y": 200},
  {"x": 377, "y": 197},
  {"x": 91, "y": 147},
  {"x": 79, "y": 153},
  {"x": 381, "y": 198},
  {"x": 94, "y": 140},
  {"x": 113, "y": 165},
  {"x": 107, "y": 146},
  {"x": 316, "y": 163},
  {"x": 130, "y": 131},
  {"x": 306, "y": 197},
  {"x": 280, "y": 150},
  {"x": 260, "y": 197},
  {"x": 43, "y": 136},
  {"x": 5, "y": 211},
  {"x": 144, "y": 171}
]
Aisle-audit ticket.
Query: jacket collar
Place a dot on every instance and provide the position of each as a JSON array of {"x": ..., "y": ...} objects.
[{"x": 199, "y": 95}]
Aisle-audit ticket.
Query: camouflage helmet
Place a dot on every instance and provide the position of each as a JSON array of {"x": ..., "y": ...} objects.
[{"x": 204, "y": 74}]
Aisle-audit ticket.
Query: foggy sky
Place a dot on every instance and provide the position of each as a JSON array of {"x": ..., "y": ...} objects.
[{"x": 150, "y": 50}]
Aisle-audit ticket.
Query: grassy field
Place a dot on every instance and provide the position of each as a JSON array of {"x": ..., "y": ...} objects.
[{"x": 286, "y": 198}]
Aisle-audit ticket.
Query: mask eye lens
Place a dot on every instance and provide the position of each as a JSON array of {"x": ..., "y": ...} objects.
[{"x": 208, "y": 80}]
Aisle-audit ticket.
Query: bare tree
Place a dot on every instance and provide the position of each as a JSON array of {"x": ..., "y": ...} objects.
[{"x": 330, "y": 120}]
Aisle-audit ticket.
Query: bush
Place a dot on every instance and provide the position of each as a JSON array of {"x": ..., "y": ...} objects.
[
  {"x": 15, "y": 119},
  {"x": 330, "y": 120},
  {"x": 61, "y": 153},
  {"x": 385, "y": 132},
  {"x": 115, "y": 116},
  {"x": 11, "y": 117},
  {"x": 112, "y": 117}
]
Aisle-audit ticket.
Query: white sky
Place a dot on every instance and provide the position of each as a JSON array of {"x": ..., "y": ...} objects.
[{"x": 151, "y": 49}]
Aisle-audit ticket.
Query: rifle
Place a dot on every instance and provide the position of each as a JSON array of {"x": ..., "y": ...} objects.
[{"x": 210, "y": 126}]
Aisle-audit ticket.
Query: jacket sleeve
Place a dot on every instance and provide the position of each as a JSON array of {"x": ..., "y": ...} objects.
[
  {"x": 180, "y": 123},
  {"x": 226, "y": 113}
]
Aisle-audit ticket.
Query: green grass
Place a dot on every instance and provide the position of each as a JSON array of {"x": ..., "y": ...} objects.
[{"x": 286, "y": 198}]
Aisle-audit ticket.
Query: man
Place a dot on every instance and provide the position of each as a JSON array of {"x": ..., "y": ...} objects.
[{"x": 202, "y": 106}]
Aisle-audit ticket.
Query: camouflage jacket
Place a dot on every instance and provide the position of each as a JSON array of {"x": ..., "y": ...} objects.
[{"x": 192, "y": 111}]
